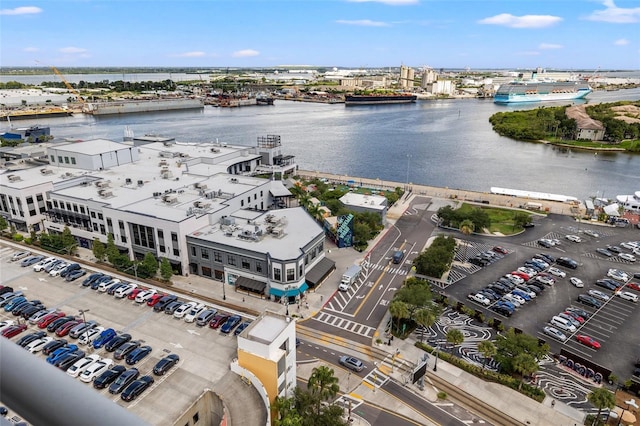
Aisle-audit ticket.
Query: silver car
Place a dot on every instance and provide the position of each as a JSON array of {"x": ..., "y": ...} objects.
[{"x": 555, "y": 333}]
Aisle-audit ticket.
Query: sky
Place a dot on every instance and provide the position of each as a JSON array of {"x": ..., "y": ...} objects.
[{"x": 475, "y": 34}]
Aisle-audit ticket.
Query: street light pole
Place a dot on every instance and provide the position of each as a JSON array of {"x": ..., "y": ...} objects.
[
  {"x": 408, "y": 161},
  {"x": 224, "y": 295},
  {"x": 84, "y": 319},
  {"x": 435, "y": 365}
]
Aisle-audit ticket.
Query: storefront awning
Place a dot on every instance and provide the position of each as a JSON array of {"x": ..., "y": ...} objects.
[
  {"x": 320, "y": 272},
  {"x": 249, "y": 284},
  {"x": 290, "y": 292}
]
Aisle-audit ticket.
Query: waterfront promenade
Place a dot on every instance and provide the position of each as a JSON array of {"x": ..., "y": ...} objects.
[{"x": 447, "y": 193}]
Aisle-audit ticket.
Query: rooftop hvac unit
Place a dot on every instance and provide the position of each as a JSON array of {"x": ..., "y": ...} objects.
[
  {"x": 105, "y": 193},
  {"x": 163, "y": 163},
  {"x": 46, "y": 171},
  {"x": 170, "y": 199},
  {"x": 127, "y": 181},
  {"x": 14, "y": 178},
  {"x": 166, "y": 174},
  {"x": 214, "y": 150},
  {"x": 234, "y": 180},
  {"x": 140, "y": 182},
  {"x": 157, "y": 194},
  {"x": 102, "y": 183}
]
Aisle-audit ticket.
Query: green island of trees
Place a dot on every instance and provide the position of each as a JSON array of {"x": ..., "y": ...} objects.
[{"x": 551, "y": 124}]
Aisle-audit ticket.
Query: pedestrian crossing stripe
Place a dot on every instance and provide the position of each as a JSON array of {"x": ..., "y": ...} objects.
[{"x": 345, "y": 324}]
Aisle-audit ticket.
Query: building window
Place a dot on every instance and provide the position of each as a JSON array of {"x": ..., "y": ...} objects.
[
  {"x": 320, "y": 248},
  {"x": 66, "y": 160},
  {"x": 246, "y": 264},
  {"x": 103, "y": 231},
  {"x": 59, "y": 158},
  {"x": 73, "y": 160},
  {"x": 93, "y": 214},
  {"x": 82, "y": 210},
  {"x": 53, "y": 159},
  {"x": 174, "y": 236},
  {"x": 193, "y": 251},
  {"x": 291, "y": 274},
  {"x": 176, "y": 252},
  {"x": 204, "y": 253},
  {"x": 259, "y": 267},
  {"x": 306, "y": 259},
  {"x": 217, "y": 256},
  {"x": 123, "y": 238},
  {"x": 100, "y": 216},
  {"x": 300, "y": 270},
  {"x": 276, "y": 274},
  {"x": 196, "y": 417},
  {"x": 231, "y": 260},
  {"x": 241, "y": 203},
  {"x": 206, "y": 271},
  {"x": 162, "y": 249}
]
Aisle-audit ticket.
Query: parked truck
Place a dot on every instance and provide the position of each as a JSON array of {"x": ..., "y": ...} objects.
[{"x": 349, "y": 277}]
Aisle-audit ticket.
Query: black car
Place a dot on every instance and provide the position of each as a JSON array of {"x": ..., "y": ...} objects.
[
  {"x": 164, "y": 301},
  {"x": 545, "y": 243},
  {"x": 165, "y": 364},
  {"x": 25, "y": 340},
  {"x": 136, "y": 388},
  {"x": 589, "y": 301},
  {"x": 18, "y": 310},
  {"x": 96, "y": 283},
  {"x": 50, "y": 347},
  {"x": 502, "y": 310},
  {"x": 138, "y": 354},
  {"x": 124, "y": 380},
  {"x": 567, "y": 262},
  {"x": 59, "y": 323},
  {"x": 6, "y": 289},
  {"x": 584, "y": 314},
  {"x": 28, "y": 311},
  {"x": 126, "y": 349},
  {"x": 69, "y": 359},
  {"x": 106, "y": 378},
  {"x": 91, "y": 278},
  {"x": 607, "y": 284},
  {"x": 74, "y": 275},
  {"x": 117, "y": 341},
  {"x": 69, "y": 269},
  {"x": 544, "y": 256}
]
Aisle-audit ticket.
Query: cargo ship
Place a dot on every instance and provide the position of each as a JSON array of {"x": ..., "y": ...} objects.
[
  {"x": 540, "y": 91},
  {"x": 28, "y": 114},
  {"x": 140, "y": 106},
  {"x": 401, "y": 98}
]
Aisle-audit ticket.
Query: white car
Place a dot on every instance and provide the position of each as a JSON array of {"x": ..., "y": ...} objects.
[
  {"x": 477, "y": 297},
  {"x": 557, "y": 272},
  {"x": 514, "y": 279},
  {"x": 37, "y": 345},
  {"x": 519, "y": 299},
  {"x": 628, "y": 245},
  {"x": 577, "y": 282},
  {"x": 194, "y": 312},
  {"x": 627, "y": 295},
  {"x": 6, "y": 324},
  {"x": 574, "y": 238},
  {"x": 105, "y": 285},
  {"x": 33, "y": 319},
  {"x": 43, "y": 263},
  {"x": 183, "y": 309},
  {"x": 531, "y": 294},
  {"x": 95, "y": 369},
  {"x": 20, "y": 255},
  {"x": 58, "y": 268},
  {"x": 143, "y": 296},
  {"x": 627, "y": 256},
  {"x": 125, "y": 291},
  {"x": 617, "y": 274},
  {"x": 594, "y": 234},
  {"x": 541, "y": 261},
  {"x": 529, "y": 271},
  {"x": 80, "y": 365},
  {"x": 545, "y": 279},
  {"x": 599, "y": 295},
  {"x": 87, "y": 336}
]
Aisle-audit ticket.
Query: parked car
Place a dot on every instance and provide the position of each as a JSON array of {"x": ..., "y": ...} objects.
[
  {"x": 31, "y": 260},
  {"x": 584, "y": 314},
  {"x": 165, "y": 364},
  {"x": 633, "y": 286},
  {"x": 557, "y": 272},
  {"x": 105, "y": 337},
  {"x": 37, "y": 345},
  {"x": 577, "y": 282},
  {"x": 588, "y": 341},
  {"x": 20, "y": 255},
  {"x": 86, "y": 338},
  {"x": 58, "y": 268},
  {"x": 125, "y": 291},
  {"x": 81, "y": 329},
  {"x": 231, "y": 323},
  {"x": 574, "y": 238},
  {"x": 136, "y": 388},
  {"x": 95, "y": 370},
  {"x": 25, "y": 340},
  {"x": 162, "y": 303},
  {"x": 241, "y": 327},
  {"x": 575, "y": 316},
  {"x": 135, "y": 292},
  {"x": 43, "y": 263},
  {"x": 545, "y": 243},
  {"x": 117, "y": 341},
  {"x": 218, "y": 320},
  {"x": 145, "y": 295},
  {"x": 64, "y": 329},
  {"x": 107, "y": 377},
  {"x": 50, "y": 347},
  {"x": 69, "y": 269},
  {"x": 205, "y": 317},
  {"x": 617, "y": 274},
  {"x": 609, "y": 285},
  {"x": 194, "y": 312},
  {"x": 183, "y": 309},
  {"x": 627, "y": 295},
  {"x": 126, "y": 349},
  {"x": 591, "y": 233},
  {"x": 555, "y": 333},
  {"x": 598, "y": 295},
  {"x": 69, "y": 359},
  {"x": 59, "y": 322},
  {"x": 58, "y": 353},
  {"x": 500, "y": 250},
  {"x": 138, "y": 354},
  {"x": 589, "y": 301},
  {"x": 351, "y": 363},
  {"x": 479, "y": 298},
  {"x": 123, "y": 380},
  {"x": 155, "y": 299},
  {"x": 79, "y": 366},
  {"x": 502, "y": 310},
  {"x": 627, "y": 257},
  {"x": 567, "y": 262},
  {"x": 604, "y": 252},
  {"x": 91, "y": 278},
  {"x": 74, "y": 275}
]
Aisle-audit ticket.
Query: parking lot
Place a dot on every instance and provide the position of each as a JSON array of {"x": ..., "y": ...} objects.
[
  {"x": 613, "y": 325},
  {"x": 204, "y": 353}
]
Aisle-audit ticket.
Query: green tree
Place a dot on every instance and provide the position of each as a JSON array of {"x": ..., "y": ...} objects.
[
  {"x": 99, "y": 250},
  {"x": 112, "y": 250},
  {"x": 166, "y": 271},
  {"x": 510, "y": 344},
  {"x": 487, "y": 349},
  {"x": 324, "y": 384},
  {"x": 525, "y": 364},
  {"x": 455, "y": 337},
  {"x": 68, "y": 241},
  {"x": 601, "y": 398},
  {"x": 3, "y": 224},
  {"x": 520, "y": 219},
  {"x": 427, "y": 316},
  {"x": 149, "y": 265},
  {"x": 398, "y": 310},
  {"x": 284, "y": 413}
]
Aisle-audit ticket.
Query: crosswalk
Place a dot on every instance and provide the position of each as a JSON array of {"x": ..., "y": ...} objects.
[
  {"x": 344, "y": 324},
  {"x": 610, "y": 259},
  {"x": 389, "y": 269}
]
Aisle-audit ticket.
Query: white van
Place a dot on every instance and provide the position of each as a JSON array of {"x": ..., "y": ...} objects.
[{"x": 562, "y": 324}]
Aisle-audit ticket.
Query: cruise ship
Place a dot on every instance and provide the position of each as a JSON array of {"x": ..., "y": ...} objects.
[{"x": 535, "y": 90}]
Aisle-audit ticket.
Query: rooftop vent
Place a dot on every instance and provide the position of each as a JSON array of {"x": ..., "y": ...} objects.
[
  {"x": 127, "y": 181},
  {"x": 214, "y": 150},
  {"x": 105, "y": 193},
  {"x": 14, "y": 178},
  {"x": 102, "y": 183},
  {"x": 234, "y": 180},
  {"x": 46, "y": 171},
  {"x": 170, "y": 199},
  {"x": 140, "y": 182}
]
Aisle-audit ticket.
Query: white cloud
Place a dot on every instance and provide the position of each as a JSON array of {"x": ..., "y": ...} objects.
[
  {"x": 191, "y": 54},
  {"x": 31, "y": 49},
  {"x": 525, "y": 21},
  {"x": 615, "y": 15},
  {"x": 25, "y": 10},
  {"x": 621, "y": 42},
  {"x": 363, "y": 23},
  {"x": 389, "y": 2},
  {"x": 545, "y": 46},
  {"x": 246, "y": 53},
  {"x": 73, "y": 50}
]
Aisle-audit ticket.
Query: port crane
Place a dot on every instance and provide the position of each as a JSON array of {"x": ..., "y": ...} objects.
[{"x": 67, "y": 84}]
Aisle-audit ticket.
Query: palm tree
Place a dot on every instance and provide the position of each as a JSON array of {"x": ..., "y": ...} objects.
[
  {"x": 524, "y": 364},
  {"x": 455, "y": 337},
  {"x": 427, "y": 317},
  {"x": 466, "y": 227},
  {"x": 315, "y": 211},
  {"x": 601, "y": 398},
  {"x": 323, "y": 383},
  {"x": 399, "y": 310},
  {"x": 487, "y": 349}
]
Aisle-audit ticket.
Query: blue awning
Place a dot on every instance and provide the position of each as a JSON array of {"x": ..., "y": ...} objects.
[
  {"x": 303, "y": 287},
  {"x": 290, "y": 293}
]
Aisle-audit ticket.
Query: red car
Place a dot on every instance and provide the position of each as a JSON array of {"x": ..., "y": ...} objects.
[
  {"x": 521, "y": 275},
  {"x": 575, "y": 316},
  {"x": 500, "y": 250},
  {"x": 64, "y": 330},
  {"x": 588, "y": 341},
  {"x": 14, "y": 330},
  {"x": 155, "y": 299},
  {"x": 135, "y": 292},
  {"x": 218, "y": 320},
  {"x": 633, "y": 286},
  {"x": 49, "y": 318}
]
